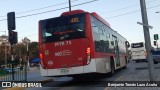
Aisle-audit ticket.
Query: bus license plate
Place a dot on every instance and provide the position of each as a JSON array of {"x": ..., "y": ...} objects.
[{"x": 64, "y": 71}]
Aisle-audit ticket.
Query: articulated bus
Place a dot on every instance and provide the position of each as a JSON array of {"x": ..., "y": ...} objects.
[{"x": 80, "y": 43}]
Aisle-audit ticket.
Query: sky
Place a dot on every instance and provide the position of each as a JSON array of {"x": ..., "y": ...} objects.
[{"x": 122, "y": 15}]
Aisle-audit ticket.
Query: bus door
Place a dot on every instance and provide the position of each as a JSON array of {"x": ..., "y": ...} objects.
[{"x": 116, "y": 50}]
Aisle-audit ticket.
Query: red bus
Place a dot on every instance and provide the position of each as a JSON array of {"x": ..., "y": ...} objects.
[{"x": 78, "y": 43}]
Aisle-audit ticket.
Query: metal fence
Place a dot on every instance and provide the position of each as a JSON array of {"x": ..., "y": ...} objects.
[{"x": 14, "y": 71}]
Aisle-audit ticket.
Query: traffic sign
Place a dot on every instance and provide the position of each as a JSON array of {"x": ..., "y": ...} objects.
[{"x": 156, "y": 37}]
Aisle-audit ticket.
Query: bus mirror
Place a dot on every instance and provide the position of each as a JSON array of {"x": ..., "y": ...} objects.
[
  {"x": 127, "y": 44},
  {"x": 112, "y": 43}
]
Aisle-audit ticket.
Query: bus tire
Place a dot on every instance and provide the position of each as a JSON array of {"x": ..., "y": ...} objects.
[
  {"x": 155, "y": 62},
  {"x": 137, "y": 61},
  {"x": 112, "y": 67}
]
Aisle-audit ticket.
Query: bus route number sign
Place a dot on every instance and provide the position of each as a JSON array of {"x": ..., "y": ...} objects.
[{"x": 74, "y": 20}]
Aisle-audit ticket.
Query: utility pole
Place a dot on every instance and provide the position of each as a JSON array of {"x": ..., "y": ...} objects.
[
  {"x": 28, "y": 56},
  {"x": 69, "y": 5},
  {"x": 147, "y": 40},
  {"x": 26, "y": 40}
]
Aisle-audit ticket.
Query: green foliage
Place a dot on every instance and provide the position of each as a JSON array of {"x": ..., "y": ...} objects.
[{"x": 19, "y": 51}]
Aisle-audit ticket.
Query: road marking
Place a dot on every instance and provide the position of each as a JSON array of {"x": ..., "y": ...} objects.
[
  {"x": 107, "y": 88},
  {"x": 119, "y": 78}
]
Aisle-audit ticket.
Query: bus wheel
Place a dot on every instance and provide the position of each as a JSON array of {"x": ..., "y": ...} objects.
[
  {"x": 137, "y": 61},
  {"x": 112, "y": 68},
  {"x": 155, "y": 62}
]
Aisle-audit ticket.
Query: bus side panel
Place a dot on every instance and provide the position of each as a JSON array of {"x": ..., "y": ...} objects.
[
  {"x": 98, "y": 65},
  {"x": 123, "y": 61},
  {"x": 90, "y": 68},
  {"x": 103, "y": 65},
  {"x": 89, "y": 34}
]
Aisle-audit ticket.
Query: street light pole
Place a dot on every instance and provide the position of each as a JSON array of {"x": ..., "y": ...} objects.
[
  {"x": 26, "y": 40},
  {"x": 147, "y": 40},
  {"x": 28, "y": 57}
]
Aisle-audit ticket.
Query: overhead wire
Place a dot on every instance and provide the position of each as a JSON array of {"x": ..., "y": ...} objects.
[
  {"x": 115, "y": 10},
  {"x": 130, "y": 12},
  {"x": 53, "y": 10},
  {"x": 45, "y": 7},
  {"x": 40, "y": 8},
  {"x": 126, "y": 13},
  {"x": 78, "y": 5}
]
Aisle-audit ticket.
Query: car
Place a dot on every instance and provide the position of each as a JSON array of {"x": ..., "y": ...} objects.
[{"x": 156, "y": 56}]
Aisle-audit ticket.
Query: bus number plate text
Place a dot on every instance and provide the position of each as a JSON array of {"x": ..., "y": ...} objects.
[
  {"x": 64, "y": 71},
  {"x": 62, "y": 43}
]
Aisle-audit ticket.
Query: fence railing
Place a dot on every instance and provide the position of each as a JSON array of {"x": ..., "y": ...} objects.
[{"x": 14, "y": 71}]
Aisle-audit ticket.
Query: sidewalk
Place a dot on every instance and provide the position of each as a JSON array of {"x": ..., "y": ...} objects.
[
  {"x": 34, "y": 75},
  {"x": 141, "y": 73}
]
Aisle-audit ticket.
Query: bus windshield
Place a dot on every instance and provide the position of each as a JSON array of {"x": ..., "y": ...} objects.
[{"x": 63, "y": 28}]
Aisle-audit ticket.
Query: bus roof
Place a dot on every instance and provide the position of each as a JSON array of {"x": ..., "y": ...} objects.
[
  {"x": 72, "y": 12},
  {"x": 81, "y": 11},
  {"x": 93, "y": 14},
  {"x": 100, "y": 18}
]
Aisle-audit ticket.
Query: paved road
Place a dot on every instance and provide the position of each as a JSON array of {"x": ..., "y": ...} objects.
[{"x": 134, "y": 72}]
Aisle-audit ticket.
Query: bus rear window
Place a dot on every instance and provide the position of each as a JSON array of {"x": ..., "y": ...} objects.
[
  {"x": 137, "y": 45},
  {"x": 63, "y": 28}
]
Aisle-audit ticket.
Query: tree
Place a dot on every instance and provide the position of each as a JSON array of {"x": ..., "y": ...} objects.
[
  {"x": 19, "y": 50},
  {"x": 4, "y": 49},
  {"x": 33, "y": 48}
]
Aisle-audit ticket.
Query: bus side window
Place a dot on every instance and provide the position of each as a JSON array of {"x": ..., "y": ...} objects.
[{"x": 97, "y": 46}]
